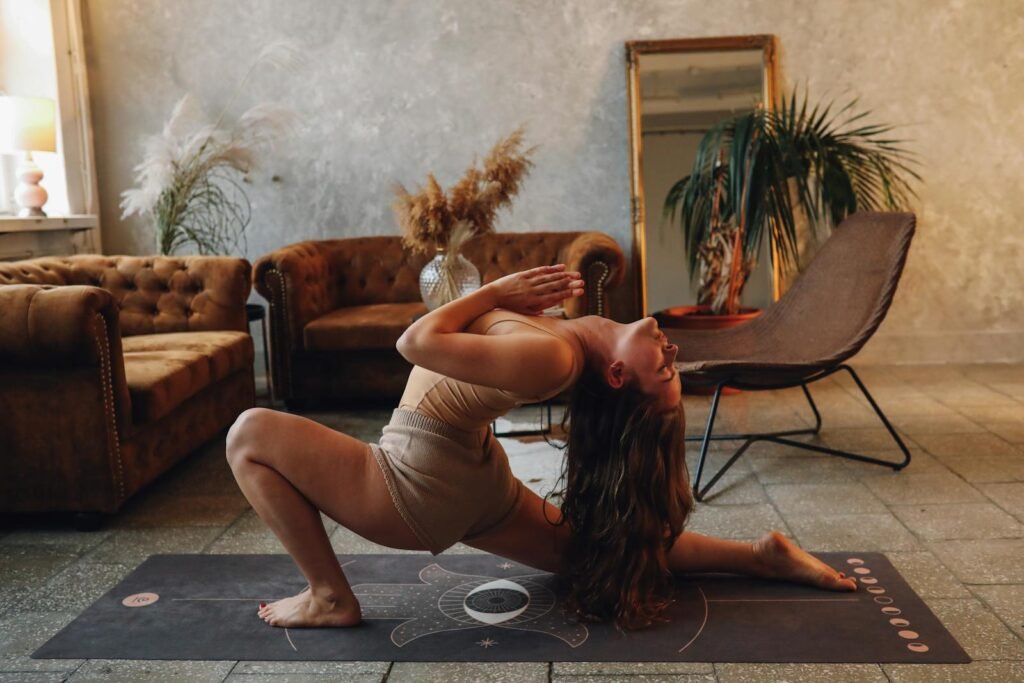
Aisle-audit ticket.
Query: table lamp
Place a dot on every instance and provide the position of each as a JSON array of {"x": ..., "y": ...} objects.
[{"x": 28, "y": 124}]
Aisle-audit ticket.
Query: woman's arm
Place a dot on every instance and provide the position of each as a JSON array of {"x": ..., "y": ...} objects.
[{"x": 523, "y": 364}]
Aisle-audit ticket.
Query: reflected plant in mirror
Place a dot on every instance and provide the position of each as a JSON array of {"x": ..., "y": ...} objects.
[{"x": 765, "y": 172}]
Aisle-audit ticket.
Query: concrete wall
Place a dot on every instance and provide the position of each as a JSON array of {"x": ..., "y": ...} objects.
[{"x": 397, "y": 88}]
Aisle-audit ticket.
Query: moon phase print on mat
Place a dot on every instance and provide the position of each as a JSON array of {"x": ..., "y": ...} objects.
[
  {"x": 140, "y": 600},
  {"x": 917, "y": 647}
]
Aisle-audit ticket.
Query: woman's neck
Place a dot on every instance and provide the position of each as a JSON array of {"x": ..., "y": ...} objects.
[{"x": 596, "y": 335}]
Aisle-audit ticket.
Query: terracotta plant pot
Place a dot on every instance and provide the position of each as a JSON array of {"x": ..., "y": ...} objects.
[{"x": 700, "y": 318}]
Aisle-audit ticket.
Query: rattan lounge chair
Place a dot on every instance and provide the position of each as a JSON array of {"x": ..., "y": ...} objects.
[{"x": 828, "y": 315}]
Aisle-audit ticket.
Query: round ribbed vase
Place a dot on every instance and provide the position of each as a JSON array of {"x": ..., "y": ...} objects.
[{"x": 445, "y": 279}]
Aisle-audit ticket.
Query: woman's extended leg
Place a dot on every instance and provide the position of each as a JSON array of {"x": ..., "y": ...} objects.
[
  {"x": 291, "y": 468},
  {"x": 773, "y": 556},
  {"x": 528, "y": 537}
]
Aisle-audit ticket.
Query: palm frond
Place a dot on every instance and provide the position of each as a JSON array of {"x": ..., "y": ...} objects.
[{"x": 753, "y": 172}]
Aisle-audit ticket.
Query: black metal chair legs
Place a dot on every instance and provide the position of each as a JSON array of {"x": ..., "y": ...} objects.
[
  {"x": 782, "y": 436},
  {"x": 545, "y": 425}
]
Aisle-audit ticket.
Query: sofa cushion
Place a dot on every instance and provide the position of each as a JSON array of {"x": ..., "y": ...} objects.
[
  {"x": 164, "y": 370},
  {"x": 375, "y": 326}
]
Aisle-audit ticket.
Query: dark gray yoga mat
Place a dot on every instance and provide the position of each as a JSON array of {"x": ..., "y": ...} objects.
[{"x": 484, "y": 608}]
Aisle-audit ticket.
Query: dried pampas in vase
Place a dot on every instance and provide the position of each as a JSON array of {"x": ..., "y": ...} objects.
[{"x": 432, "y": 218}]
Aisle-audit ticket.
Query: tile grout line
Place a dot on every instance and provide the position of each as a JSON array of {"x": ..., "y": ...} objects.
[
  {"x": 985, "y": 603},
  {"x": 230, "y": 671}
]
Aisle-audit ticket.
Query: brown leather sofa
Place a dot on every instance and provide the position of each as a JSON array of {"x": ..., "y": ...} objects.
[
  {"x": 113, "y": 368},
  {"x": 337, "y": 307}
]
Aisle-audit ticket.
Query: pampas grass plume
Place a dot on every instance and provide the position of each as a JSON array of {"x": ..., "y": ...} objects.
[{"x": 431, "y": 218}]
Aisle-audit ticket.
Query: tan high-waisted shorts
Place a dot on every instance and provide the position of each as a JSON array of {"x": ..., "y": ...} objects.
[{"x": 449, "y": 485}]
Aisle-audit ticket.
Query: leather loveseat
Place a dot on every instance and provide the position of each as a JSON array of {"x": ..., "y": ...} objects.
[
  {"x": 337, "y": 307},
  {"x": 113, "y": 368}
]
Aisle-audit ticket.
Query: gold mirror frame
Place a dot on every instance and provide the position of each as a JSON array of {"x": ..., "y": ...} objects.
[{"x": 634, "y": 48}]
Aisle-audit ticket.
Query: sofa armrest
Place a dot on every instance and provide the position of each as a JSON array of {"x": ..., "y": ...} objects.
[
  {"x": 296, "y": 280},
  {"x": 45, "y": 328},
  {"x": 600, "y": 261}
]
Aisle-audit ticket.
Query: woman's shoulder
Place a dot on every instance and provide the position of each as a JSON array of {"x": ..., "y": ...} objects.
[{"x": 492, "y": 321}]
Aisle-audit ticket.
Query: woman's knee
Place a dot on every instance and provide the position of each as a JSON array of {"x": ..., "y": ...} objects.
[{"x": 253, "y": 428}]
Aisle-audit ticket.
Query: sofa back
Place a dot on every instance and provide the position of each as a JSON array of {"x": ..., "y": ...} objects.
[
  {"x": 155, "y": 294},
  {"x": 372, "y": 270}
]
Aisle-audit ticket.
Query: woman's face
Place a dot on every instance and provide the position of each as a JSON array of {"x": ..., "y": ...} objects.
[{"x": 647, "y": 358}]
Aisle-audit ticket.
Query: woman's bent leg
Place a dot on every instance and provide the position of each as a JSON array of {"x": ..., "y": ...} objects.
[{"x": 291, "y": 468}]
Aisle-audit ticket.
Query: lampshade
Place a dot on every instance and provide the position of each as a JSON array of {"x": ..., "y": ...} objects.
[{"x": 27, "y": 124}]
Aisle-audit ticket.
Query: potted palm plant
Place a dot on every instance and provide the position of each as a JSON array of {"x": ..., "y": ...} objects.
[{"x": 762, "y": 174}]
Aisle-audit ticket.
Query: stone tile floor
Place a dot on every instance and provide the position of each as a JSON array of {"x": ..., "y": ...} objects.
[{"x": 952, "y": 522}]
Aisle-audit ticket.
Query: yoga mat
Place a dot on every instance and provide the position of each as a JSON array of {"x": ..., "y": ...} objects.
[{"x": 484, "y": 608}]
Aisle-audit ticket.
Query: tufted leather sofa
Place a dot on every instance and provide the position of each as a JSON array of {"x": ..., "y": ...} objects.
[
  {"x": 113, "y": 368},
  {"x": 337, "y": 307}
]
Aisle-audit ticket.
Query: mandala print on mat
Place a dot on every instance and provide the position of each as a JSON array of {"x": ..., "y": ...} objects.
[{"x": 447, "y": 601}]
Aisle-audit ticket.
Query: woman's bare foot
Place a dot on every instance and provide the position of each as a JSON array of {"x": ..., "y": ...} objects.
[
  {"x": 776, "y": 557},
  {"x": 306, "y": 610}
]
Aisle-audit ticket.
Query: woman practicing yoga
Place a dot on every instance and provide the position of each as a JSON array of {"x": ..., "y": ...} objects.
[{"x": 439, "y": 476}]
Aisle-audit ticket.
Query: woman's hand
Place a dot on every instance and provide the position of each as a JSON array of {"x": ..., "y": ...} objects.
[{"x": 531, "y": 291}]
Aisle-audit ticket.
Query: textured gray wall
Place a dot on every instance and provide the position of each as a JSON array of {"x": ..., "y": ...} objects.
[{"x": 396, "y": 88}]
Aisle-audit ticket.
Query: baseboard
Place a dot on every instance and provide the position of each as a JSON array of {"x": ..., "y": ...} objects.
[{"x": 943, "y": 348}]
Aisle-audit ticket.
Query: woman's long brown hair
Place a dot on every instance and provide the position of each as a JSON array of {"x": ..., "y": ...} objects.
[{"x": 626, "y": 498}]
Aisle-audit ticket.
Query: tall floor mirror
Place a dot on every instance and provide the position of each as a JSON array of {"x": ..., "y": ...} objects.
[{"x": 678, "y": 89}]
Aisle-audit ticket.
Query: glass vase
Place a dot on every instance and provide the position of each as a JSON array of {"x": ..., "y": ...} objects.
[{"x": 446, "y": 277}]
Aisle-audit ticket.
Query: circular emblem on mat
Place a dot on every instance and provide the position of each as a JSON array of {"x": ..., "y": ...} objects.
[
  {"x": 140, "y": 600},
  {"x": 892, "y": 611},
  {"x": 917, "y": 647},
  {"x": 909, "y": 635},
  {"x": 868, "y": 579},
  {"x": 883, "y": 599},
  {"x": 877, "y": 590},
  {"x": 899, "y": 622},
  {"x": 496, "y": 601},
  {"x": 855, "y": 560},
  {"x": 862, "y": 570}
]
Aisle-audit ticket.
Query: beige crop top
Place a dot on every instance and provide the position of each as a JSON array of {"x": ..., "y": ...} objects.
[{"x": 471, "y": 406}]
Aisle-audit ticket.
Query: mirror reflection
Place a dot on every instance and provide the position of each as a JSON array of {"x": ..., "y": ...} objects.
[{"x": 679, "y": 90}]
